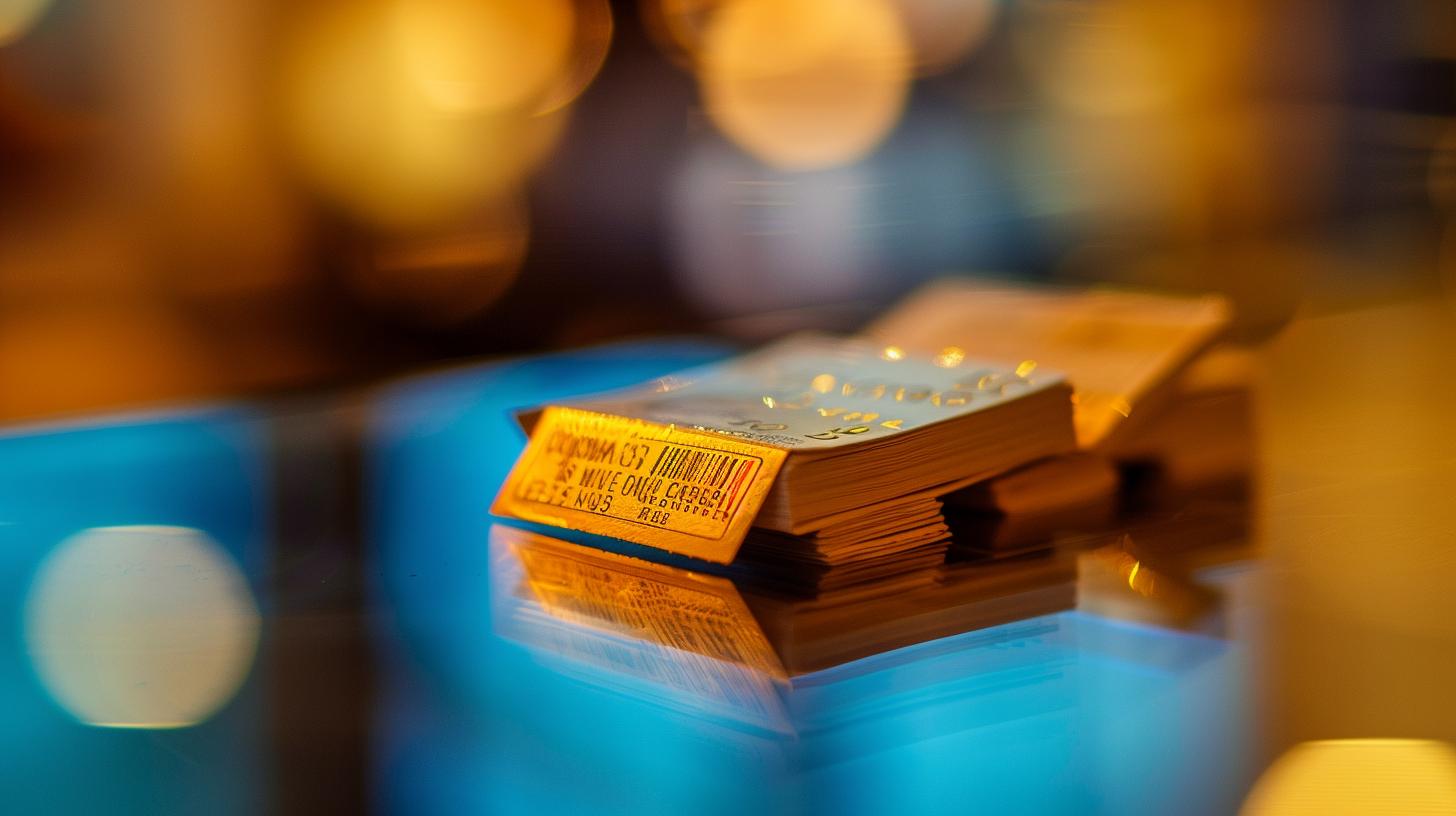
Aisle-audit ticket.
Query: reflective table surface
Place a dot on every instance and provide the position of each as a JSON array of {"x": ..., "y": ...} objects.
[{"x": 304, "y": 606}]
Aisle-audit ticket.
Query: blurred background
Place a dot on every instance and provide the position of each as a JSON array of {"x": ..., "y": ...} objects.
[
  {"x": 217, "y": 197},
  {"x": 214, "y": 199}
]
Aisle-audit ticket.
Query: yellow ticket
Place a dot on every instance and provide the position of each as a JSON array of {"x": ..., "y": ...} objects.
[{"x": 665, "y": 486}]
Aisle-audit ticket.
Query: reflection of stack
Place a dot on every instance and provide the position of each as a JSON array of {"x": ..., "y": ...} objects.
[
  {"x": 737, "y": 626},
  {"x": 868, "y": 437},
  {"x": 687, "y": 636},
  {"x": 810, "y": 635},
  {"x": 1159, "y": 569}
]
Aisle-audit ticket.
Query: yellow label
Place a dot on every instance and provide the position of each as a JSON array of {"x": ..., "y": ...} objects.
[{"x": 679, "y": 490}]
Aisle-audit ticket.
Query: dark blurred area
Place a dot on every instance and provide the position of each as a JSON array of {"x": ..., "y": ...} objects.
[{"x": 217, "y": 197}]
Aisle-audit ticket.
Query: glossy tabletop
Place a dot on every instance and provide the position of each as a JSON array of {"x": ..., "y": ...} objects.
[{"x": 297, "y": 606}]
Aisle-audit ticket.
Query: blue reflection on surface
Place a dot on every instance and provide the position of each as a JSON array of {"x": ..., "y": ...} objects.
[
  {"x": 202, "y": 470},
  {"x": 1061, "y": 714}
]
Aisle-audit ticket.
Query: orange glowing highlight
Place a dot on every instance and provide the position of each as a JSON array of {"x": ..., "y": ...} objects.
[
  {"x": 1357, "y": 776},
  {"x": 805, "y": 84},
  {"x": 482, "y": 55},
  {"x": 395, "y": 112},
  {"x": 950, "y": 357},
  {"x": 590, "y": 42}
]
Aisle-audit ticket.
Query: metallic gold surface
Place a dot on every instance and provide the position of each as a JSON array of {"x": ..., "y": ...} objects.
[{"x": 661, "y": 485}]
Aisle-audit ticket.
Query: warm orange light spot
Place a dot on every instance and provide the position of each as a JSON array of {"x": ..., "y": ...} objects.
[
  {"x": 892, "y": 353},
  {"x": 590, "y": 42},
  {"x": 1140, "y": 580},
  {"x": 950, "y": 357},
  {"x": 805, "y": 84},
  {"x": 1025, "y": 368},
  {"x": 823, "y": 383},
  {"x": 393, "y": 115},
  {"x": 481, "y": 55},
  {"x": 1357, "y": 776}
]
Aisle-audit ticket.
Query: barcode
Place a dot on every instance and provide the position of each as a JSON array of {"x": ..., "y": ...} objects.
[{"x": 707, "y": 468}]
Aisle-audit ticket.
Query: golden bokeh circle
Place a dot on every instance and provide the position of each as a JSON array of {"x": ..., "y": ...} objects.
[
  {"x": 394, "y": 116},
  {"x": 806, "y": 84},
  {"x": 1357, "y": 776}
]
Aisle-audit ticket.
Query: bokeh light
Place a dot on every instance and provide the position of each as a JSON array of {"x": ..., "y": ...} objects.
[
  {"x": 590, "y": 42},
  {"x": 806, "y": 84},
  {"x": 397, "y": 116},
  {"x": 141, "y": 627},
  {"x": 1357, "y": 776},
  {"x": 18, "y": 16},
  {"x": 482, "y": 55},
  {"x": 941, "y": 33},
  {"x": 748, "y": 239}
]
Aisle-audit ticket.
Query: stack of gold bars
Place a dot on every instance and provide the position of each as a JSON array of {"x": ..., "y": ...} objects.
[{"x": 925, "y": 465}]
